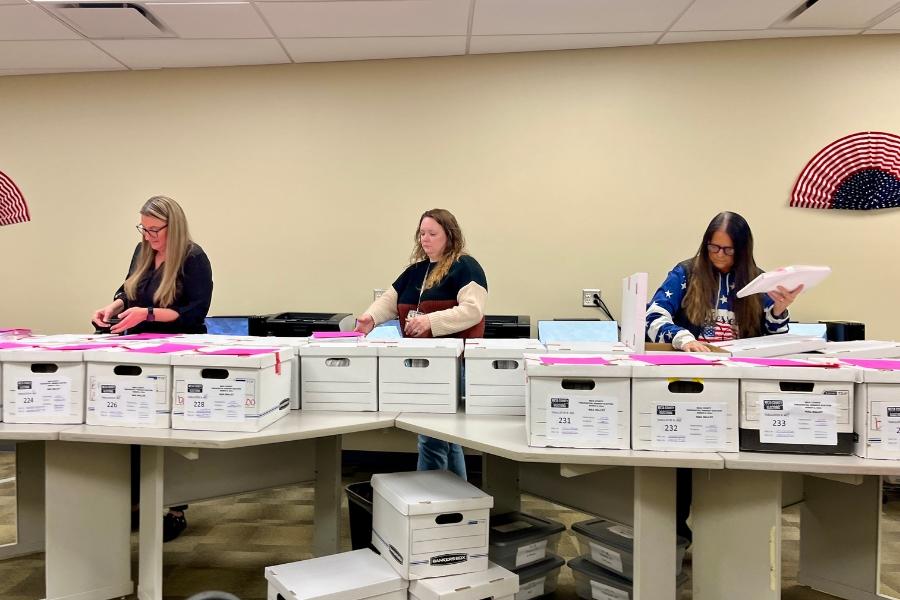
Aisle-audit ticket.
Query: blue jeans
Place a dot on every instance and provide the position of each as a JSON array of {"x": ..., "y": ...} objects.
[{"x": 438, "y": 454}]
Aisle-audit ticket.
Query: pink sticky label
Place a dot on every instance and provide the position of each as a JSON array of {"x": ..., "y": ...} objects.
[
  {"x": 165, "y": 348},
  {"x": 873, "y": 363},
  {"x": 780, "y": 362},
  {"x": 673, "y": 359},
  {"x": 74, "y": 347},
  {"x": 327, "y": 335},
  {"x": 146, "y": 336},
  {"x": 573, "y": 360},
  {"x": 14, "y": 345},
  {"x": 241, "y": 351}
]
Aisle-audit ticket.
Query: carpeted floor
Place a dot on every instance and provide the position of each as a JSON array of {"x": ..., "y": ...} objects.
[{"x": 230, "y": 540}]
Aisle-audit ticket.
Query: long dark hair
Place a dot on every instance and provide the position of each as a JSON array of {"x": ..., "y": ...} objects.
[{"x": 703, "y": 291}]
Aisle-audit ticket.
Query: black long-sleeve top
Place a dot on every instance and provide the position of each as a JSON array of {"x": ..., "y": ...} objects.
[{"x": 193, "y": 294}]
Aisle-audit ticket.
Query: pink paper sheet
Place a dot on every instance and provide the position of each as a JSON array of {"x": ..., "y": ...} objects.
[
  {"x": 673, "y": 359},
  {"x": 573, "y": 360},
  {"x": 14, "y": 345},
  {"x": 73, "y": 347},
  {"x": 241, "y": 351},
  {"x": 15, "y": 331},
  {"x": 883, "y": 364},
  {"x": 146, "y": 336},
  {"x": 780, "y": 362},
  {"x": 327, "y": 335},
  {"x": 165, "y": 348}
]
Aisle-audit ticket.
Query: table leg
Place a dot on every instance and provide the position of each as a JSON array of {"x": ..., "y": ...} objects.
[
  {"x": 654, "y": 533},
  {"x": 150, "y": 547},
  {"x": 327, "y": 511},
  {"x": 29, "y": 501}
]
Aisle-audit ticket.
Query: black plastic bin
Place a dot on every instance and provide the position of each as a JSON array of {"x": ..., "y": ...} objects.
[{"x": 359, "y": 506}]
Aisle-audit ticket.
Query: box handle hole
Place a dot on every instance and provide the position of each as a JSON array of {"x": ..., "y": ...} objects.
[
  {"x": 796, "y": 386},
  {"x": 127, "y": 370},
  {"x": 578, "y": 384},
  {"x": 44, "y": 368},
  {"x": 505, "y": 364},
  {"x": 337, "y": 362},
  {"x": 214, "y": 373},
  {"x": 447, "y": 518},
  {"x": 682, "y": 386},
  {"x": 416, "y": 363}
]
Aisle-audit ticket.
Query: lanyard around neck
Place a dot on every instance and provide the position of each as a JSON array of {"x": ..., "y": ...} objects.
[{"x": 422, "y": 289}]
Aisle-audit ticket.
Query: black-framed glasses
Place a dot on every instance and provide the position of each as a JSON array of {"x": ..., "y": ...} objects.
[
  {"x": 151, "y": 232},
  {"x": 715, "y": 249}
]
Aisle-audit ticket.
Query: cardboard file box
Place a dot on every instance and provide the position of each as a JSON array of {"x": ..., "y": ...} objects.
[
  {"x": 877, "y": 414},
  {"x": 611, "y": 546},
  {"x": 595, "y": 583},
  {"x": 496, "y": 583},
  {"x": 518, "y": 540},
  {"x": 806, "y": 410},
  {"x": 230, "y": 393},
  {"x": 685, "y": 408},
  {"x": 495, "y": 375},
  {"x": 339, "y": 376},
  {"x": 419, "y": 375},
  {"x": 357, "y": 575},
  {"x": 578, "y": 406},
  {"x": 539, "y": 579},
  {"x": 295, "y": 343},
  {"x": 43, "y": 386},
  {"x": 430, "y": 523},
  {"x": 129, "y": 389}
]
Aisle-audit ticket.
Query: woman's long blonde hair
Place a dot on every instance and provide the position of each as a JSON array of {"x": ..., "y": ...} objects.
[
  {"x": 178, "y": 242},
  {"x": 456, "y": 245}
]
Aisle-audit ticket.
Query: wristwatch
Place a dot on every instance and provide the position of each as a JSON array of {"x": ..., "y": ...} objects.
[{"x": 150, "y": 316}]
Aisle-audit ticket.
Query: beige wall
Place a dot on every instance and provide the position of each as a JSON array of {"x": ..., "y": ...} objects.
[{"x": 566, "y": 170}]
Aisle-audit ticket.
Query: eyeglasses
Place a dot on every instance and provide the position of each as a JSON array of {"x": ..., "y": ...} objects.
[
  {"x": 715, "y": 249},
  {"x": 151, "y": 232}
]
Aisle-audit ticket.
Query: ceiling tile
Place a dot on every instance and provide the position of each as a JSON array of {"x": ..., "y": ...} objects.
[
  {"x": 680, "y": 37},
  {"x": 892, "y": 22},
  {"x": 367, "y": 18},
  {"x": 5, "y": 2},
  {"x": 837, "y": 14},
  {"x": 171, "y": 53},
  {"x": 211, "y": 20},
  {"x": 113, "y": 21},
  {"x": 335, "y": 49},
  {"x": 49, "y": 71},
  {"x": 29, "y": 22},
  {"x": 724, "y": 15},
  {"x": 511, "y": 17},
  {"x": 491, "y": 44},
  {"x": 54, "y": 55}
]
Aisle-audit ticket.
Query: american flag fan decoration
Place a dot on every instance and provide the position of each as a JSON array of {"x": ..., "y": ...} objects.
[
  {"x": 857, "y": 172},
  {"x": 12, "y": 203}
]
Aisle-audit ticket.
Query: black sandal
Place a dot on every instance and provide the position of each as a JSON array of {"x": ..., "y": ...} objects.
[{"x": 173, "y": 525}]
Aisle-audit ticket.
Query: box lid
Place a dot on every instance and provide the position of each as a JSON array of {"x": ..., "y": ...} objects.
[
  {"x": 206, "y": 358},
  {"x": 824, "y": 374},
  {"x": 535, "y": 367},
  {"x": 326, "y": 577},
  {"x": 429, "y": 492},
  {"x": 515, "y": 528},
  {"x": 597, "y": 573},
  {"x": 495, "y": 582},
  {"x": 540, "y": 568},
  {"x": 414, "y": 347},
  {"x": 337, "y": 349},
  {"x": 501, "y": 348},
  {"x": 770, "y": 346},
  {"x": 590, "y": 347},
  {"x": 862, "y": 349},
  {"x": 121, "y": 356},
  {"x": 719, "y": 371},
  {"x": 41, "y": 355},
  {"x": 615, "y": 535}
]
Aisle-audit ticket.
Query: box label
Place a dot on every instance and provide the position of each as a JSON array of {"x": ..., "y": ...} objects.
[
  {"x": 132, "y": 402},
  {"x": 587, "y": 419},
  {"x": 807, "y": 419},
  {"x": 890, "y": 429},
  {"x": 530, "y": 553},
  {"x": 601, "y": 591},
  {"x": 43, "y": 396},
  {"x": 607, "y": 557},
  {"x": 676, "y": 425},
  {"x": 531, "y": 589},
  {"x": 217, "y": 400}
]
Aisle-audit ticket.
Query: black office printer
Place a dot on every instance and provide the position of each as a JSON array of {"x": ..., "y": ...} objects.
[
  {"x": 507, "y": 326},
  {"x": 297, "y": 324}
]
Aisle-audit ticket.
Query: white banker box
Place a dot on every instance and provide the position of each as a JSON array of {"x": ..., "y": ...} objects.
[
  {"x": 128, "y": 389},
  {"x": 807, "y": 410},
  {"x": 339, "y": 375},
  {"x": 43, "y": 386},
  {"x": 216, "y": 392},
  {"x": 578, "y": 405},
  {"x": 689, "y": 408},
  {"x": 294, "y": 343},
  {"x": 877, "y": 414},
  {"x": 496, "y": 583},
  {"x": 495, "y": 375},
  {"x": 357, "y": 575},
  {"x": 430, "y": 523},
  {"x": 419, "y": 375}
]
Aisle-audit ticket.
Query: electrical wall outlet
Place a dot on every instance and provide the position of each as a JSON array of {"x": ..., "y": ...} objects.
[
  {"x": 377, "y": 292},
  {"x": 587, "y": 297}
]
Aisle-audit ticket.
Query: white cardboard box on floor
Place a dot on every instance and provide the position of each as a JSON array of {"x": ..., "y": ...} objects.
[
  {"x": 419, "y": 375},
  {"x": 128, "y": 389},
  {"x": 495, "y": 375},
  {"x": 786, "y": 409},
  {"x": 430, "y": 523},
  {"x": 685, "y": 408},
  {"x": 43, "y": 386},
  {"x": 578, "y": 405},
  {"x": 339, "y": 376},
  {"x": 877, "y": 414},
  {"x": 356, "y": 575},
  {"x": 496, "y": 583},
  {"x": 214, "y": 392}
]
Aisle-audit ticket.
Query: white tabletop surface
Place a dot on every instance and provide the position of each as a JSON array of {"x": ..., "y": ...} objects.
[
  {"x": 21, "y": 432},
  {"x": 810, "y": 463},
  {"x": 298, "y": 425},
  {"x": 505, "y": 436}
]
